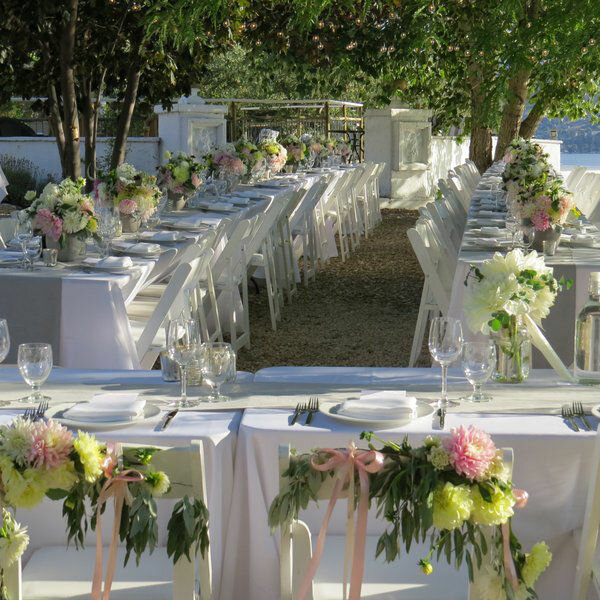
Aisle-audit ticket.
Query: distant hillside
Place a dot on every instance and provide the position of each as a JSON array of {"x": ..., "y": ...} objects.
[{"x": 577, "y": 136}]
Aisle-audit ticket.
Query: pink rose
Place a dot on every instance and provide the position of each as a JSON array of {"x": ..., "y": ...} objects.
[
  {"x": 48, "y": 223},
  {"x": 196, "y": 180},
  {"x": 127, "y": 206}
]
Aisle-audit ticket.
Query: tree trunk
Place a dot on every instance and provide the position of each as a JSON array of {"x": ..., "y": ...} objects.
[
  {"x": 513, "y": 110},
  {"x": 480, "y": 148},
  {"x": 125, "y": 116},
  {"x": 72, "y": 163},
  {"x": 532, "y": 121},
  {"x": 56, "y": 125}
]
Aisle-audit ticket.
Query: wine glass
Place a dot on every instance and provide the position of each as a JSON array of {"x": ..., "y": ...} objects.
[
  {"x": 512, "y": 226},
  {"x": 527, "y": 233},
  {"x": 33, "y": 250},
  {"x": 107, "y": 229},
  {"x": 478, "y": 361},
  {"x": 445, "y": 346},
  {"x": 35, "y": 364},
  {"x": 183, "y": 339},
  {"x": 23, "y": 231},
  {"x": 218, "y": 365},
  {"x": 4, "y": 339}
]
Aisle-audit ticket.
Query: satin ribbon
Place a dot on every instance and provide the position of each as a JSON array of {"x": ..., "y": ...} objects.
[
  {"x": 117, "y": 488},
  {"x": 521, "y": 497},
  {"x": 345, "y": 462}
]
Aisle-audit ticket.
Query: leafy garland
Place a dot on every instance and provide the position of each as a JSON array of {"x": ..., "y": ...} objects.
[
  {"x": 431, "y": 491},
  {"x": 43, "y": 459}
]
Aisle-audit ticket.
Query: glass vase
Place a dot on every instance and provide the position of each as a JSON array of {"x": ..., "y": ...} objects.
[{"x": 513, "y": 353}]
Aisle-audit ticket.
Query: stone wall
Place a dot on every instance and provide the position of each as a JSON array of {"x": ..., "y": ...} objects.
[{"x": 142, "y": 152}]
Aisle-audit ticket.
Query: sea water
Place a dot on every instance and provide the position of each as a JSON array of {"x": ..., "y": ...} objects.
[{"x": 569, "y": 161}]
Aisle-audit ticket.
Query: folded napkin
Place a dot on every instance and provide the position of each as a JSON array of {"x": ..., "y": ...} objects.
[
  {"x": 160, "y": 236},
  {"x": 487, "y": 213},
  {"x": 582, "y": 240},
  {"x": 251, "y": 194},
  {"x": 215, "y": 205},
  {"x": 139, "y": 248},
  {"x": 240, "y": 201},
  {"x": 10, "y": 255},
  {"x": 491, "y": 230},
  {"x": 197, "y": 221},
  {"x": 384, "y": 404},
  {"x": 111, "y": 262},
  {"x": 104, "y": 408}
]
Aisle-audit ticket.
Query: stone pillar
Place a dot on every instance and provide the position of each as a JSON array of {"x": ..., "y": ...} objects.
[
  {"x": 191, "y": 126},
  {"x": 401, "y": 137}
]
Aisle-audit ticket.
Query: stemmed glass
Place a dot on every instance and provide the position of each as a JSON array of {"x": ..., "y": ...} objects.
[
  {"x": 23, "y": 232},
  {"x": 218, "y": 365},
  {"x": 527, "y": 233},
  {"x": 107, "y": 229},
  {"x": 512, "y": 226},
  {"x": 32, "y": 251},
  {"x": 183, "y": 340},
  {"x": 445, "y": 346},
  {"x": 4, "y": 340},
  {"x": 35, "y": 364},
  {"x": 478, "y": 361}
]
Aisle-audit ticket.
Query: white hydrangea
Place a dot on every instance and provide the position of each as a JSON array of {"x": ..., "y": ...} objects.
[
  {"x": 13, "y": 541},
  {"x": 74, "y": 221},
  {"x": 126, "y": 171}
]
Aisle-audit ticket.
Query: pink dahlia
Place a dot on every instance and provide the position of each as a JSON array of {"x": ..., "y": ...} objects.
[
  {"x": 471, "y": 451},
  {"x": 127, "y": 206},
  {"x": 52, "y": 444},
  {"x": 541, "y": 220},
  {"x": 48, "y": 223},
  {"x": 196, "y": 180}
]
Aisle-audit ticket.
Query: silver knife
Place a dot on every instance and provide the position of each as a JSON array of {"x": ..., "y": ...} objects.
[{"x": 167, "y": 419}]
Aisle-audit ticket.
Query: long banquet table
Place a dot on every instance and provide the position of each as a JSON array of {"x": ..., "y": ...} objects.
[
  {"x": 572, "y": 262},
  {"x": 241, "y": 440},
  {"x": 82, "y": 313}
]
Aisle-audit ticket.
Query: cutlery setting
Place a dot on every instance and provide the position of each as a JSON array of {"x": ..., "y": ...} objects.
[
  {"x": 573, "y": 412},
  {"x": 36, "y": 413},
  {"x": 306, "y": 408}
]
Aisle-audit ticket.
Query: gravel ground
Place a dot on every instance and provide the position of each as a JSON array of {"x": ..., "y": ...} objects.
[{"x": 358, "y": 313}]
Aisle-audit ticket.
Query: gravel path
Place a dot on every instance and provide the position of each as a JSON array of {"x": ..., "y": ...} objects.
[{"x": 358, "y": 313}]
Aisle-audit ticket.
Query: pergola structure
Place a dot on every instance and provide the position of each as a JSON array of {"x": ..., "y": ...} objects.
[{"x": 329, "y": 118}]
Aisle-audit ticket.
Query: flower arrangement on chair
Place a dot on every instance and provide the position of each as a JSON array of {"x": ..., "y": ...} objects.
[
  {"x": 65, "y": 215},
  {"x": 505, "y": 292},
  {"x": 44, "y": 459},
  {"x": 457, "y": 491},
  {"x": 181, "y": 175},
  {"x": 133, "y": 193}
]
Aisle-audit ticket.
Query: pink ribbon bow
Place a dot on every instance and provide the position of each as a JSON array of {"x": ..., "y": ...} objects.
[
  {"x": 117, "y": 488},
  {"x": 345, "y": 462},
  {"x": 521, "y": 497}
]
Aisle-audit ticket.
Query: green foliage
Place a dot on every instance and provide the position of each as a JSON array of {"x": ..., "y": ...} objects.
[
  {"x": 188, "y": 528},
  {"x": 22, "y": 176},
  {"x": 139, "y": 527}
]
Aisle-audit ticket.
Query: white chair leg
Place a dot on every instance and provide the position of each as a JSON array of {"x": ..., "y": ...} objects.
[{"x": 420, "y": 327}]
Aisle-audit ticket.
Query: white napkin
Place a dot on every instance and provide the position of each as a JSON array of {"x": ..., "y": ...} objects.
[
  {"x": 252, "y": 194},
  {"x": 491, "y": 231},
  {"x": 197, "y": 221},
  {"x": 487, "y": 213},
  {"x": 160, "y": 236},
  {"x": 8, "y": 254},
  {"x": 240, "y": 201},
  {"x": 216, "y": 205},
  {"x": 108, "y": 407},
  {"x": 383, "y": 404},
  {"x": 582, "y": 240},
  {"x": 110, "y": 262},
  {"x": 139, "y": 248}
]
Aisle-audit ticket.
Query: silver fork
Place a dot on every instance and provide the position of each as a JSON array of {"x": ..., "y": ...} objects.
[
  {"x": 568, "y": 415},
  {"x": 313, "y": 407},
  {"x": 579, "y": 412},
  {"x": 41, "y": 410},
  {"x": 300, "y": 408}
]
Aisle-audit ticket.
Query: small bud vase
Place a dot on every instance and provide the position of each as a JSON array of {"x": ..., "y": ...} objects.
[
  {"x": 176, "y": 201},
  {"x": 129, "y": 223},
  {"x": 513, "y": 352}
]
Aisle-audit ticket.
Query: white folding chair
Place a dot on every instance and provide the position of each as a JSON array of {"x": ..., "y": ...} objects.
[
  {"x": 437, "y": 286},
  {"x": 574, "y": 178},
  {"x": 588, "y": 563},
  {"x": 61, "y": 573}
]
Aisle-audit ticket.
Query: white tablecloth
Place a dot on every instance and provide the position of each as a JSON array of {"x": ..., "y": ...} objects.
[
  {"x": 559, "y": 326},
  {"x": 550, "y": 463},
  {"x": 217, "y": 430}
]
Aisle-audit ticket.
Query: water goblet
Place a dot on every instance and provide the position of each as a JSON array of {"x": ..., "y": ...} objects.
[
  {"x": 35, "y": 364},
  {"x": 478, "y": 362},
  {"x": 527, "y": 233},
  {"x": 182, "y": 345},
  {"x": 218, "y": 365},
  {"x": 4, "y": 339},
  {"x": 445, "y": 346},
  {"x": 107, "y": 229},
  {"x": 33, "y": 251},
  {"x": 512, "y": 226}
]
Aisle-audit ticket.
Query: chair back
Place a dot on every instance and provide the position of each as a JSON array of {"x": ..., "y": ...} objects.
[{"x": 574, "y": 178}]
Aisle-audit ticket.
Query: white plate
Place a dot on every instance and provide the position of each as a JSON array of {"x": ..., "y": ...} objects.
[
  {"x": 330, "y": 407},
  {"x": 130, "y": 252},
  {"x": 595, "y": 410},
  {"x": 183, "y": 227},
  {"x": 100, "y": 269},
  {"x": 57, "y": 410}
]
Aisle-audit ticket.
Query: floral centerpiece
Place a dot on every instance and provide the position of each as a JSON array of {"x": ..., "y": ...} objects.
[
  {"x": 181, "y": 176},
  {"x": 344, "y": 151},
  {"x": 65, "y": 215},
  {"x": 500, "y": 292},
  {"x": 252, "y": 157},
  {"x": 297, "y": 151},
  {"x": 456, "y": 491},
  {"x": 225, "y": 164},
  {"x": 133, "y": 193},
  {"x": 276, "y": 155},
  {"x": 44, "y": 459}
]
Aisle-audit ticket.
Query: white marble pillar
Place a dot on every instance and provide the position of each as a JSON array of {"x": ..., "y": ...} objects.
[{"x": 191, "y": 126}]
